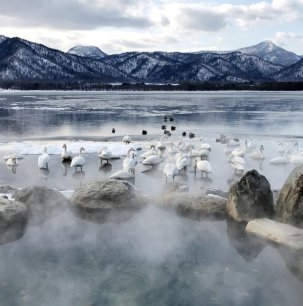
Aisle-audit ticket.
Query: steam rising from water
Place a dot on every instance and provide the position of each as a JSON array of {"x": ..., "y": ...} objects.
[{"x": 155, "y": 258}]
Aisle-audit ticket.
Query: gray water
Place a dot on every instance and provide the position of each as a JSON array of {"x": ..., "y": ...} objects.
[{"x": 156, "y": 257}]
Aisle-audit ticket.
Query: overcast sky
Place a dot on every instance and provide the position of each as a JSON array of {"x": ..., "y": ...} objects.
[{"x": 116, "y": 26}]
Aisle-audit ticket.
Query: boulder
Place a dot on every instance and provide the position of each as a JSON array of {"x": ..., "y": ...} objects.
[
  {"x": 195, "y": 206},
  {"x": 7, "y": 189},
  {"x": 289, "y": 207},
  {"x": 103, "y": 200},
  {"x": 42, "y": 202},
  {"x": 13, "y": 219},
  {"x": 279, "y": 233},
  {"x": 250, "y": 198}
]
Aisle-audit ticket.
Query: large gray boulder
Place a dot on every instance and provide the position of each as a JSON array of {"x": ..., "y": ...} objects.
[
  {"x": 99, "y": 199},
  {"x": 195, "y": 206},
  {"x": 250, "y": 198},
  {"x": 42, "y": 202},
  {"x": 289, "y": 207},
  {"x": 13, "y": 219},
  {"x": 276, "y": 232}
]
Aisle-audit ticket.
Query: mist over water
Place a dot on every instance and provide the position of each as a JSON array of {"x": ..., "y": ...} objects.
[{"x": 156, "y": 257}]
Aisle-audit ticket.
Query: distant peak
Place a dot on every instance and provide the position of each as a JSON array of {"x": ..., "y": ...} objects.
[{"x": 87, "y": 51}]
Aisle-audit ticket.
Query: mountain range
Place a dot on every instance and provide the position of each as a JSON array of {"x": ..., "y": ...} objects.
[{"x": 25, "y": 61}]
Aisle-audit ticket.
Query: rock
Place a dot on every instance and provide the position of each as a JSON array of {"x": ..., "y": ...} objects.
[
  {"x": 289, "y": 207},
  {"x": 7, "y": 189},
  {"x": 276, "y": 232},
  {"x": 250, "y": 198},
  {"x": 42, "y": 203},
  {"x": 13, "y": 219},
  {"x": 103, "y": 200},
  {"x": 195, "y": 206},
  {"x": 247, "y": 246}
]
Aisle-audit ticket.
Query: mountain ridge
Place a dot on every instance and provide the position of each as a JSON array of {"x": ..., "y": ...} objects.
[{"x": 22, "y": 60}]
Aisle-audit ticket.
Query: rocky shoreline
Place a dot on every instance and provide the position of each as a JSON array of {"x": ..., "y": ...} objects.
[{"x": 253, "y": 217}]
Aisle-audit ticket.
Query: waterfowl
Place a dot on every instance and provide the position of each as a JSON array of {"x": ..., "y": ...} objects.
[
  {"x": 78, "y": 161},
  {"x": 258, "y": 155},
  {"x": 151, "y": 151},
  {"x": 160, "y": 144},
  {"x": 11, "y": 161},
  {"x": 113, "y": 130},
  {"x": 170, "y": 170},
  {"x": 105, "y": 154},
  {"x": 203, "y": 166},
  {"x": 65, "y": 155},
  {"x": 144, "y": 132},
  {"x": 237, "y": 163},
  {"x": 184, "y": 134},
  {"x": 43, "y": 159},
  {"x": 129, "y": 161},
  {"x": 182, "y": 162},
  {"x": 152, "y": 160},
  {"x": 191, "y": 135},
  {"x": 124, "y": 174},
  {"x": 172, "y": 128},
  {"x": 126, "y": 139},
  {"x": 281, "y": 160},
  {"x": 205, "y": 145}
]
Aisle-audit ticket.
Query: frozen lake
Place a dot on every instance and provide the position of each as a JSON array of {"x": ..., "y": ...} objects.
[{"x": 155, "y": 258}]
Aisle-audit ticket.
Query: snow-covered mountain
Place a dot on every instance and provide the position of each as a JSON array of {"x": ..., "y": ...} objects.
[
  {"x": 87, "y": 51},
  {"x": 268, "y": 51},
  {"x": 22, "y": 60},
  {"x": 162, "y": 67}
]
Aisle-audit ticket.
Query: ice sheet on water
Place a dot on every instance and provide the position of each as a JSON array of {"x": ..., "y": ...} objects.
[{"x": 55, "y": 147}]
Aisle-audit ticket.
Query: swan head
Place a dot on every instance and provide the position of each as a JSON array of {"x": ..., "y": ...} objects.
[
  {"x": 45, "y": 150},
  {"x": 130, "y": 150},
  {"x": 81, "y": 150},
  {"x": 261, "y": 148},
  {"x": 64, "y": 146}
]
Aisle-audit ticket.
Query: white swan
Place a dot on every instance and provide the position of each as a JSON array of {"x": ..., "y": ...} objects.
[
  {"x": 232, "y": 143},
  {"x": 250, "y": 145},
  {"x": 238, "y": 152},
  {"x": 258, "y": 155},
  {"x": 204, "y": 153},
  {"x": 11, "y": 161},
  {"x": 205, "y": 145},
  {"x": 170, "y": 170},
  {"x": 182, "y": 163},
  {"x": 105, "y": 154},
  {"x": 43, "y": 159},
  {"x": 124, "y": 174},
  {"x": 153, "y": 160},
  {"x": 78, "y": 161},
  {"x": 65, "y": 155},
  {"x": 151, "y": 151},
  {"x": 11, "y": 155},
  {"x": 281, "y": 160},
  {"x": 204, "y": 166},
  {"x": 296, "y": 159},
  {"x": 160, "y": 144},
  {"x": 127, "y": 139},
  {"x": 237, "y": 163},
  {"x": 130, "y": 161}
]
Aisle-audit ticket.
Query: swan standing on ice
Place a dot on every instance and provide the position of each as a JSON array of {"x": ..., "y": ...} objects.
[
  {"x": 182, "y": 162},
  {"x": 43, "y": 159},
  {"x": 65, "y": 155},
  {"x": 160, "y": 144},
  {"x": 105, "y": 154},
  {"x": 204, "y": 166},
  {"x": 130, "y": 161},
  {"x": 237, "y": 163},
  {"x": 170, "y": 170},
  {"x": 258, "y": 155},
  {"x": 127, "y": 139},
  {"x": 78, "y": 161}
]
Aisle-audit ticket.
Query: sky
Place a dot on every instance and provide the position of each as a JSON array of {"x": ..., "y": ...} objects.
[{"x": 117, "y": 26}]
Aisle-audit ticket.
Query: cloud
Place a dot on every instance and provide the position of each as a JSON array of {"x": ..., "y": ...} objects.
[
  {"x": 75, "y": 14},
  {"x": 202, "y": 19}
]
